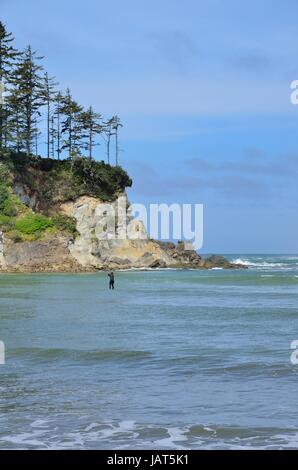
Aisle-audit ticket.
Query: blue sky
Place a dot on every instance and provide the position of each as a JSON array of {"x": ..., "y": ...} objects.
[{"x": 203, "y": 90}]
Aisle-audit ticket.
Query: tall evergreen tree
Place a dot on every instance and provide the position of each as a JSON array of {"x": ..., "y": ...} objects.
[
  {"x": 29, "y": 85},
  {"x": 37, "y": 133},
  {"x": 91, "y": 123},
  {"x": 47, "y": 96},
  {"x": 56, "y": 132},
  {"x": 28, "y": 89},
  {"x": 116, "y": 124},
  {"x": 108, "y": 130},
  {"x": 13, "y": 129},
  {"x": 5, "y": 124},
  {"x": 72, "y": 125},
  {"x": 53, "y": 137},
  {"x": 8, "y": 55}
]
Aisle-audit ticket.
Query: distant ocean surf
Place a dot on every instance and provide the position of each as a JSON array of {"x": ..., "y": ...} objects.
[{"x": 171, "y": 359}]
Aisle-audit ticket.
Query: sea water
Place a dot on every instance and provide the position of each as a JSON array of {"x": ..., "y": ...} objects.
[{"x": 171, "y": 359}]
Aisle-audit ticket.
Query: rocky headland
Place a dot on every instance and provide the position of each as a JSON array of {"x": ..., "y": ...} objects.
[{"x": 51, "y": 221}]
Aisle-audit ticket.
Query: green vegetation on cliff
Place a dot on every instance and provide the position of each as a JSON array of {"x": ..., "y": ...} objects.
[
  {"x": 32, "y": 188},
  {"x": 54, "y": 181}
]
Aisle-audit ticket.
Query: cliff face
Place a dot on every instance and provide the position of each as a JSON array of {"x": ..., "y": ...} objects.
[
  {"x": 48, "y": 255},
  {"x": 97, "y": 248},
  {"x": 94, "y": 248},
  {"x": 51, "y": 220}
]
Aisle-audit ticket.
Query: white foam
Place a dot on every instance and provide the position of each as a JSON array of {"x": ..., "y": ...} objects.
[
  {"x": 39, "y": 423},
  {"x": 175, "y": 435},
  {"x": 128, "y": 434},
  {"x": 206, "y": 428},
  {"x": 263, "y": 264},
  {"x": 27, "y": 439}
]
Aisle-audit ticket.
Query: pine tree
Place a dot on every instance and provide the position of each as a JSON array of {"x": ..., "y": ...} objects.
[
  {"x": 56, "y": 131},
  {"x": 5, "y": 124},
  {"x": 13, "y": 130},
  {"x": 72, "y": 125},
  {"x": 8, "y": 55},
  {"x": 53, "y": 137},
  {"x": 108, "y": 130},
  {"x": 37, "y": 133},
  {"x": 8, "y": 124},
  {"x": 116, "y": 124},
  {"x": 28, "y": 88},
  {"x": 91, "y": 123},
  {"x": 47, "y": 96}
]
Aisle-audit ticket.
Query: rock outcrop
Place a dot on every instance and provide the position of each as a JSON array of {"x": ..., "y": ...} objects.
[
  {"x": 129, "y": 247},
  {"x": 95, "y": 249},
  {"x": 48, "y": 255},
  {"x": 70, "y": 202}
]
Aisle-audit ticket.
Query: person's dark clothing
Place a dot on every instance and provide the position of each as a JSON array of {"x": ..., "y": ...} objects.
[{"x": 112, "y": 280}]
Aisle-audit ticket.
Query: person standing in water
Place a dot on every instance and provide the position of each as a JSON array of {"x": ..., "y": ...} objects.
[{"x": 112, "y": 280}]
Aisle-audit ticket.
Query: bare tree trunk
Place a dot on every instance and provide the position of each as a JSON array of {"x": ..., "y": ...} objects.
[
  {"x": 36, "y": 144},
  {"x": 58, "y": 135},
  {"x": 90, "y": 144},
  {"x": 48, "y": 123},
  {"x": 117, "y": 149},
  {"x": 28, "y": 135},
  {"x": 70, "y": 137},
  {"x": 18, "y": 131},
  {"x": 108, "y": 147},
  {"x": 52, "y": 138},
  {"x": 6, "y": 130}
]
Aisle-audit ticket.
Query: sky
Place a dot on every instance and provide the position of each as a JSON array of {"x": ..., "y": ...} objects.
[{"x": 203, "y": 91}]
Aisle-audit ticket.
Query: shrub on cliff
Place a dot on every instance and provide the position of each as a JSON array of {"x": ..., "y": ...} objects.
[
  {"x": 32, "y": 223},
  {"x": 56, "y": 181},
  {"x": 47, "y": 183},
  {"x": 3, "y": 195},
  {"x": 99, "y": 178}
]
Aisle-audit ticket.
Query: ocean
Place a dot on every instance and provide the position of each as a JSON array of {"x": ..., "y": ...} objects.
[{"x": 171, "y": 359}]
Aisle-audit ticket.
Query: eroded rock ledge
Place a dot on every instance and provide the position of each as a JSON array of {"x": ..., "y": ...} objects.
[{"x": 90, "y": 250}]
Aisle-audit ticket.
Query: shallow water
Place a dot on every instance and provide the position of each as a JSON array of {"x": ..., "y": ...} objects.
[{"x": 170, "y": 359}]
